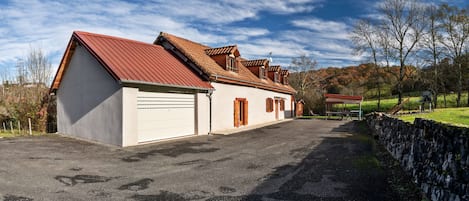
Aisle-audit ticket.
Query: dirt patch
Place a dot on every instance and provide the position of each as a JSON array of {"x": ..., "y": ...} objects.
[
  {"x": 172, "y": 151},
  {"x": 138, "y": 185},
  {"x": 163, "y": 195},
  {"x": 84, "y": 179},
  {"x": 16, "y": 198},
  {"x": 192, "y": 162},
  {"x": 226, "y": 189}
]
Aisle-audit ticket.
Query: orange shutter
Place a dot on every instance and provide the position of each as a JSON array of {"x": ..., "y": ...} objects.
[
  {"x": 267, "y": 103},
  {"x": 236, "y": 113},
  {"x": 245, "y": 115}
]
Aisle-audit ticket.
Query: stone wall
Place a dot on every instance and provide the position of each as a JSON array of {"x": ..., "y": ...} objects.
[{"x": 436, "y": 155}]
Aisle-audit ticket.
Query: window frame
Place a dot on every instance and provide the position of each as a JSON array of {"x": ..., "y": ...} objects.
[
  {"x": 231, "y": 64},
  {"x": 262, "y": 72}
]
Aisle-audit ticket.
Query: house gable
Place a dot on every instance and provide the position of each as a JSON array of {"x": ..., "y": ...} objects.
[{"x": 132, "y": 62}]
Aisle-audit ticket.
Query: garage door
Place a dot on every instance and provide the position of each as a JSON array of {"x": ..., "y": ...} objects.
[{"x": 165, "y": 115}]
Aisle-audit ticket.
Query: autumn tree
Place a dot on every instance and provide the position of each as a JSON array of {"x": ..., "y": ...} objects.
[{"x": 28, "y": 96}]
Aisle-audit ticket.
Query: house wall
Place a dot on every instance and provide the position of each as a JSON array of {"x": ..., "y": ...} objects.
[
  {"x": 89, "y": 101},
  {"x": 223, "y": 99},
  {"x": 129, "y": 116},
  {"x": 202, "y": 112}
]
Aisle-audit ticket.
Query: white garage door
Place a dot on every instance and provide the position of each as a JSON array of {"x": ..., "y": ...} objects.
[{"x": 165, "y": 115}]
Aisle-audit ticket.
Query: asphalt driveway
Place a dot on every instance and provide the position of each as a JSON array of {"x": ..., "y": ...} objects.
[{"x": 296, "y": 160}]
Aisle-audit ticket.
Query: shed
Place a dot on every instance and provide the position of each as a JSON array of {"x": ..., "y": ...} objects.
[{"x": 334, "y": 99}]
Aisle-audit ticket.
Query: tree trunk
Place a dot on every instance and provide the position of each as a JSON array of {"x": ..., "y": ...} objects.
[
  {"x": 379, "y": 96},
  {"x": 444, "y": 96},
  {"x": 468, "y": 96},
  {"x": 458, "y": 103}
]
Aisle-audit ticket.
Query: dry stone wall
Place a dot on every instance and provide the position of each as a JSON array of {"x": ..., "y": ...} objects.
[{"x": 435, "y": 154}]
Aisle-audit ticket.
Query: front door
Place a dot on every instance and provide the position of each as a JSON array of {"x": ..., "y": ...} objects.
[
  {"x": 276, "y": 109},
  {"x": 240, "y": 112}
]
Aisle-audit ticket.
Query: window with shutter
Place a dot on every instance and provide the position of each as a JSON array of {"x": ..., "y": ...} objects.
[{"x": 269, "y": 105}]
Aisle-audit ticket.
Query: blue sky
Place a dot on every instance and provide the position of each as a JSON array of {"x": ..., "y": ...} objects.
[{"x": 287, "y": 28}]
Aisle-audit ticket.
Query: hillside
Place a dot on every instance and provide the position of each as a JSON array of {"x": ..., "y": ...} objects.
[{"x": 359, "y": 80}]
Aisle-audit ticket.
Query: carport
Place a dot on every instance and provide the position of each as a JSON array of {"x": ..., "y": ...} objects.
[{"x": 339, "y": 99}]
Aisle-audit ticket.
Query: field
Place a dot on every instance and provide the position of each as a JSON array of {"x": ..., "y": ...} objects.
[
  {"x": 454, "y": 116},
  {"x": 386, "y": 104}
]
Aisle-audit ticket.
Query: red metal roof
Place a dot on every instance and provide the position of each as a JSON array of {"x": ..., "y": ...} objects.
[
  {"x": 136, "y": 62},
  {"x": 343, "y": 97}
]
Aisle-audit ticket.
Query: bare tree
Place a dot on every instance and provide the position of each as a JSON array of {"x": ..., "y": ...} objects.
[
  {"x": 365, "y": 37},
  {"x": 303, "y": 66},
  {"x": 455, "y": 23},
  {"x": 305, "y": 81},
  {"x": 433, "y": 48},
  {"x": 38, "y": 67},
  {"x": 404, "y": 20}
]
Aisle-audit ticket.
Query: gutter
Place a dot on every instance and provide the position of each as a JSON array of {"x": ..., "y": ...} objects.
[
  {"x": 162, "y": 85},
  {"x": 209, "y": 95}
]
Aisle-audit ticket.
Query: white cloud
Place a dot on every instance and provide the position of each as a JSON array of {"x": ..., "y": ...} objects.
[
  {"x": 49, "y": 25},
  {"x": 325, "y": 28}
]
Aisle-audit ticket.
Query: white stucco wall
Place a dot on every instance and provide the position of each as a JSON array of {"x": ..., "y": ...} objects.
[
  {"x": 202, "y": 114},
  {"x": 225, "y": 94},
  {"x": 129, "y": 116},
  {"x": 89, "y": 101}
]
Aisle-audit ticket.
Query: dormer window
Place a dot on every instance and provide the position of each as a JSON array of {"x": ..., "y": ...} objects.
[
  {"x": 276, "y": 78},
  {"x": 262, "y": 72},
  {"x": 231, "y": 64},
  {"x": 285, "y": 80}
]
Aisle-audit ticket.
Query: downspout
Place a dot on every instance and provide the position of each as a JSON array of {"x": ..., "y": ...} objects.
[{"x": 209, "y": 95}]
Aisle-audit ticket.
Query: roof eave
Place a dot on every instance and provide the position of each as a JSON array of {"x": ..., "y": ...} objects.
[{"x": 165, "y": 85}]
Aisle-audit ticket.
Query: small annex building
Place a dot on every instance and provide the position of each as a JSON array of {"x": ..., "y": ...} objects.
[{"x": 124, "y": 92}]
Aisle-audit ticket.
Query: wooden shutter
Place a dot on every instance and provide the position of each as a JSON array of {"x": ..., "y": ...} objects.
[
  {"x": 269, "y": 105},
  {"x": 236, "y": 113},
  {"x": 282, "y": 105},
  {"x": 245, "y": 114}
]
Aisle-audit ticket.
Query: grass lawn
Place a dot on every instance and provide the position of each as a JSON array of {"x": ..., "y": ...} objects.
[
  {"x": 16, "y": 133},
  {"x": 454, "y": 116},
  {"x": 414, "y": 103}
]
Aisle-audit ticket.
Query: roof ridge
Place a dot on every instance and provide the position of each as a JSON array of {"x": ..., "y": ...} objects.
[
  {"x": 230, "y": 46},
  {"x": 111, "y": 37},
  {"x": 171, "y": 35}
]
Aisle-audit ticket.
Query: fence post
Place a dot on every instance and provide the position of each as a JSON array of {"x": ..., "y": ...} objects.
[
  {"x": 11, "y": 127},
  {"x": 19, "y": 127},
  {"x": 29, "y": 122},
  {"x": 4, "y": 127}
]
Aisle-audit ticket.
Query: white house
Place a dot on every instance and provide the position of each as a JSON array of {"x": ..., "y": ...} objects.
[{"x": 124, "y": 92}]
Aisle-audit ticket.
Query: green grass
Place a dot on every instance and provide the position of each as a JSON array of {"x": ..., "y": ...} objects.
[
  {"x": 16, "y": 133},
  {"x": 454, "y": 116},
  {"x": 414, "y": 103}
]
